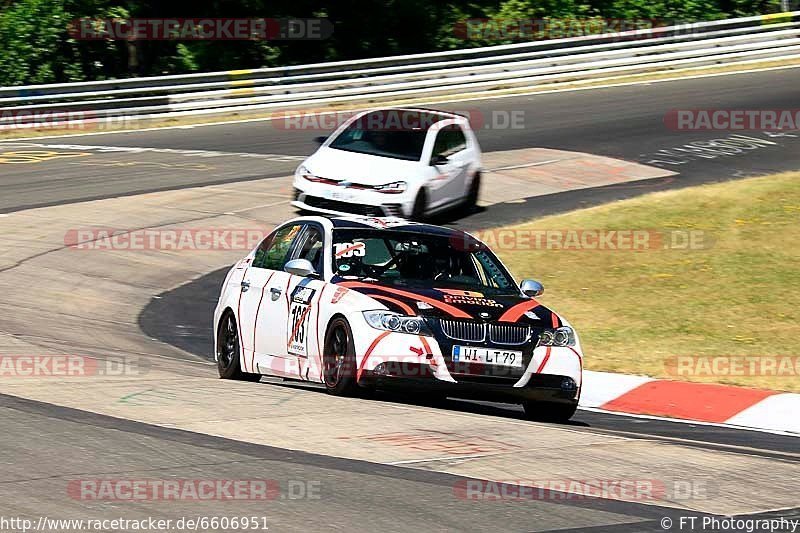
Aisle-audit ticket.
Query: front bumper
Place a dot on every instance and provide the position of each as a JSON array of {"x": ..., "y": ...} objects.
[
  {"x": 540, "y": 387},
  {"x": 412, "y": 362},
  {"x": 335, "y": 200}
]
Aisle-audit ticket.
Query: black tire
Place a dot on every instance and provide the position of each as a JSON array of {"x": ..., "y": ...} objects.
[
  {"x": 549, "y": 411},
  {"x": 419, "y": 211},
  {"x": 228, "y": 351},
  {"x": 471, "y": 201},
  {"x": 339, "y": 359},
  {"x": 433, "y": 399}
]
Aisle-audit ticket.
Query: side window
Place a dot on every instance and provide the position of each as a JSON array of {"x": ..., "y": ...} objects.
[
  {"x": 272, "y": 252},
  {"x": 449, "y": 140},
  {"x": 311, "y": 248}
]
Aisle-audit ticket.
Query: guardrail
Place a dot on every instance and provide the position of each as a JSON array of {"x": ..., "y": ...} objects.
[{"x": 742, "y": 40}]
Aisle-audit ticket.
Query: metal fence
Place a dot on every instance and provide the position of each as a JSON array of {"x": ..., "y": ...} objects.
[{"x": 740, "y": 41}]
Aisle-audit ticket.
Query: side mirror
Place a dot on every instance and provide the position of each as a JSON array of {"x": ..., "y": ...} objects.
[
  {"x": 531, "y": 288},
  {"x": 300, "y": 267},
  {"x": 439, "y": 160},
  {"x": 320, "y": 140}
]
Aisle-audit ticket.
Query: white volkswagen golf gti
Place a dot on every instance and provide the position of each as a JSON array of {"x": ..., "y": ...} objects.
[{"x": 408, "y": 163}]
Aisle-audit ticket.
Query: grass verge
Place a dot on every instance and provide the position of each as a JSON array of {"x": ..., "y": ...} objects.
[{"x": 636, "y": 311}]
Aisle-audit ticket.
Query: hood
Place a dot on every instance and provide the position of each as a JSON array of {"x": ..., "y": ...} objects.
[
  {"x": 359, "y": 168},
  {"x": 458, "y": 304}
]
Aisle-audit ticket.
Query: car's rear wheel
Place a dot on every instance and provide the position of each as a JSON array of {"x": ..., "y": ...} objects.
[
  {"x": 229, "y": 351},
  {"x": 339, "y": 359},
  {"x": 471, "y": 201},
  {"x": 549, "y": 411},
  {"x": 420, "y": 208}
]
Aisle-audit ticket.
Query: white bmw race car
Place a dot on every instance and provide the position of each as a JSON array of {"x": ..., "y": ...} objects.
[
  {"x": 361, "y": 303},
  {"x": 408, "y": 163}
]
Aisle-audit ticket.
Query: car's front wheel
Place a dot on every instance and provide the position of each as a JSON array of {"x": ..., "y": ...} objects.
[
  {"x": 339, "y": 359},
  {"x": 420, "y": 208},
  {"x": 228, "y": 351},
  {"x": 549, "y": 411},
  {"x": 471, "y": 200}
]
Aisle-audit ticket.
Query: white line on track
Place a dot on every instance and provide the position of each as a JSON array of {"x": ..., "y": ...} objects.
[
  {"x": 525, "y": 165},
  {"x": 416, "y": 103},
  {"x": 144, "y": 149},
  {"x": 693, "y": 422}
]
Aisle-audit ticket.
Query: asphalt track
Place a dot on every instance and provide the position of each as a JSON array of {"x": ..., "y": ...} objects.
[
  {"x": 190, "y": 305},
  {"x": 623, "y": 122}
]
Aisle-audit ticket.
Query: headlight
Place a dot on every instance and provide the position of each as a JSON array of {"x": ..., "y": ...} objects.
[
  {"x": 395, "y": 187},
  {"x": 303, "y": 172},
  {"x": 563, "y": 336},
  {"x": 390, "y": 321}
]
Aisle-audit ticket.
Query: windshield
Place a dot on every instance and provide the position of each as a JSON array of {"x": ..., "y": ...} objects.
[
  {"x": 414, "y": 260},
  {"x": 374, "y": 134}
]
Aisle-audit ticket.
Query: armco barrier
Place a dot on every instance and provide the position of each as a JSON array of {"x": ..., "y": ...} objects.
[{"x": 742, "y": 40}]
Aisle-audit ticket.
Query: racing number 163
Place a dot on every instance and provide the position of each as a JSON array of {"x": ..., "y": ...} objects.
[{"x": 299, "y": 323}]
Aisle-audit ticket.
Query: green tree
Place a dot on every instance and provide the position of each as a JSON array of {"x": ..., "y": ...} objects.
[{"x": 34, "y": 45}]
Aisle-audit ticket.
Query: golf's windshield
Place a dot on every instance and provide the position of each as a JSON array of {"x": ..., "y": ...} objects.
[
  {"x": 413, "y": 260},
  {"x": 383, "y": 134}
]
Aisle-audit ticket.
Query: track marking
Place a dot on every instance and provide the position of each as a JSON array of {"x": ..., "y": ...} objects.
[
  {"x": 683, "y": 421},
  {"x": 524, "y": 165},
  {"x": 143, "y": 149}
]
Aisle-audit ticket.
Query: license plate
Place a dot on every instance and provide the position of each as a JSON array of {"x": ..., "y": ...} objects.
[
  {"x": 338, "y": 195},
  {"x": 487, "y": 356}
]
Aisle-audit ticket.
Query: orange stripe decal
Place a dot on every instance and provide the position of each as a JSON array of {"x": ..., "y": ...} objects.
[
  {"x": 426, "y": 345},
  {"x": 319, "y": 310},
  {"x": 287, "y": 292},
  {"x": 449, "y": 309},
  {"x": 372, "y": 346},
  {"x": 513, "y": 314},
  {"x": 428, "y": 351},
  {"x": 405, "y": 307},
  {"x": 255, "y": 323},
  {"x": 239, "y": 321},
  {"x": 544, "y": 361}
]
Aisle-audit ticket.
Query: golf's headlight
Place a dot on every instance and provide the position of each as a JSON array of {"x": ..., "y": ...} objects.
[
  {"x": 396, "y": 187},
  {"x": 563, "y": 336},
  {"x": 303, "y": 172},
  {"x": 390, "y": 321}
]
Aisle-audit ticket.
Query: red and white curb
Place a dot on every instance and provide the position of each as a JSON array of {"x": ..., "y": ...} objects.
[{"x": 701, "y": 402}]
